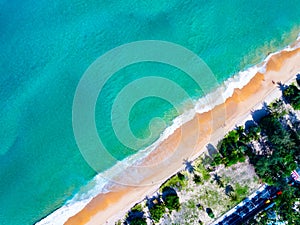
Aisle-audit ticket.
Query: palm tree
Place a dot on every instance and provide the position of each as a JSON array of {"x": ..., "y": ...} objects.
[
  {"x": 277, "y": 108},
  {"x": 263, "y": 169}
]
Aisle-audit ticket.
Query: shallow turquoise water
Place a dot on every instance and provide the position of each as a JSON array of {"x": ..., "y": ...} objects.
[{"x": 47, "y": 45}]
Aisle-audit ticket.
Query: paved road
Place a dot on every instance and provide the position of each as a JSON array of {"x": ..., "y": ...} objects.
[{"x": 248, "y": 208}]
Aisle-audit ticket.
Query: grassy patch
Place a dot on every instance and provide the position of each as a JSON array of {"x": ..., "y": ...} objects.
[
  {"x": 157, "y": 211},
  {"x": 210, "y": 197},
  {"x": 191, "y": 204},
  {"x": 137, "y": 207},
  {"x": 201, "y": 169},
  {"x": 241, "y": 192},
  {"x": 176, "y": 181}
]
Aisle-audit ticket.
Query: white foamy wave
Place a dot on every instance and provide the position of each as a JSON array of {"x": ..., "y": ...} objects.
[
  {"x": 61, "y": 215},
  {"x": 226, "y": 90},
  {"x": 96, "y": 186},
  {"x": 238, "y": 81},
  {"x": 101, "y": 185}
]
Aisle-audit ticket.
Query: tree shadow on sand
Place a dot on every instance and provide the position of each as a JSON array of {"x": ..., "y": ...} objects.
[
  {"x": 168, "y": 191},
  {"x": 189, "y": 166},
  {"x": 282, "y": 87},
  {"x": 150, "y": 202},
  {"x": 249, "y": 123},
  {"x": 298, "y": 79},
  {"x": 135, "y": 217},
  {"x": 170, "y": 198},
  {"x": 260, "y": 113},
  {"x": 211, "y": 150}
]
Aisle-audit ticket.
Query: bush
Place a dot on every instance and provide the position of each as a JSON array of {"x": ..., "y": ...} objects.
[
  {"x": 217, "y": 160},
  {"x": 137, "y": 207},
  {"x": 197, "y": 179},
  {"x": 181, "y": 176},
  {"x": 171, "y": 199},
  {"x": 231, "y": 148},
  {"x": 172, "y": 202},
  {"x": 277, "y": 108},
  {"x": 253, "y": 132},
  {"x": 241, "y": 191},
  {"x": 210, "y": 213},
  {"x": 201, "y": 169},
  {"x": 138, "y": 221},
  {"x": 177, "y": 181},
  {"x": 157, "y": 211},
  {"x": 200, "y": 207},
  {"x": 119, "y": 222},
  {"x": 292, "y": 95},
  {"x": 233, "y": 197},
  {"x": 135, "y": 216}
]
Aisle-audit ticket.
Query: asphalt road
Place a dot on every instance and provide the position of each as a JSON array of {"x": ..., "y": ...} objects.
[{"x": 250, "y": 208}]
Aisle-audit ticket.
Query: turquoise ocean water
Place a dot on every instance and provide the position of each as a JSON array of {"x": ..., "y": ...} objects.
[{"x": 45, "y": 47}]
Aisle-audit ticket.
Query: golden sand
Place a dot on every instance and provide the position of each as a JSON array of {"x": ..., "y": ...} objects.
[{"x": 203, "y": 129}]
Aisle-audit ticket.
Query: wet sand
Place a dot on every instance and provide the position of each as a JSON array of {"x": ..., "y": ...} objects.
[{"x": 188, "y": 142}]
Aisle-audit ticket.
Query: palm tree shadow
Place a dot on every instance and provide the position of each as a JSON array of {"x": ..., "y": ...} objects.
[
  {"x": 188, "y": 166},
  {"x": 282, "y": 87},
  {"x": 218, "y": 180}
]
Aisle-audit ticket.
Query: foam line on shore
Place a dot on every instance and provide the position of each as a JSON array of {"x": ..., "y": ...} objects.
[{"x": 99, "y": 184}]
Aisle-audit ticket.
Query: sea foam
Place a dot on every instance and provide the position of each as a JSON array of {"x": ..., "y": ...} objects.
[{"x": 100, "y": 183}]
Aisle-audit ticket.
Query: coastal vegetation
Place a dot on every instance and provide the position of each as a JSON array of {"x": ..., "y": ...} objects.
[
  {"x": 265, "y": 150},
  {"x": 177, "y": 182},
  {"x": 277, "y": 134},
  {"x": 135, "y": 216},
  {"x": 187, "y": 198},
  {"x": 170, "y": 198},
  {"x": 292, "y": 96},
  {"x": 156, "y": 208}
]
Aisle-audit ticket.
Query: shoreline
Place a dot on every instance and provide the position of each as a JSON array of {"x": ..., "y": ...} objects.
[
  {"x": 108, "y": 207},
  {"x": 118, "y": 196}
]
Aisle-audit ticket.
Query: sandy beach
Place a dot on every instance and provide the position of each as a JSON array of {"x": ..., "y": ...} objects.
[{"x": 189, "y": 141}]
